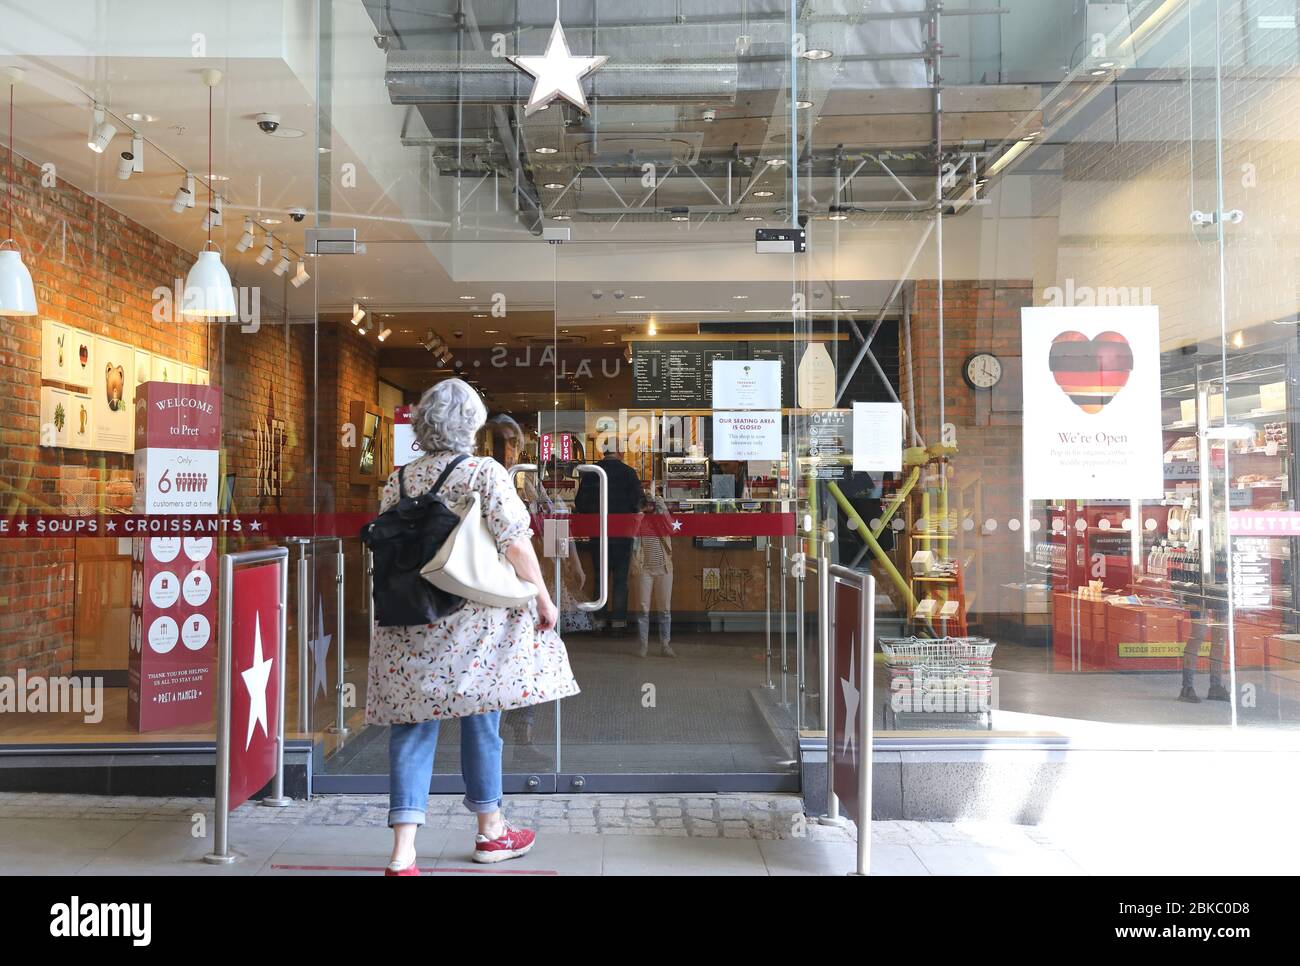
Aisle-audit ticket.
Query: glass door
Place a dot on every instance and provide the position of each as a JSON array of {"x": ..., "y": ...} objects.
[{"x": 672, "y": 393}]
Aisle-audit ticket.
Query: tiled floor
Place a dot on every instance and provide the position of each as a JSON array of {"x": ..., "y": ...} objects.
[{"x": 580, "y": 835}]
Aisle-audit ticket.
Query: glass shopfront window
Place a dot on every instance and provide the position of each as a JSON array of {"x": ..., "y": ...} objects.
[{"x": 997, "y": 303}]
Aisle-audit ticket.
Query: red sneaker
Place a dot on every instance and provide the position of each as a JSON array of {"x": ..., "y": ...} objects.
[
  {"x": 411, "y": 869},
  {"x": 510, "y": 844}
]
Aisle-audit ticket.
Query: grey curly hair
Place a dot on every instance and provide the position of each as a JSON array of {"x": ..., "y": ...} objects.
[{"x": 448, "y": 416}]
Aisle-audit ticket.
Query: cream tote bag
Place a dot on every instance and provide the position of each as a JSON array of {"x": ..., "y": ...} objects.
[{"x": 467, "y": 563}]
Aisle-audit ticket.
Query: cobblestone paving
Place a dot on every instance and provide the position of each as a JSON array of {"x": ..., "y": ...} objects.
[{"x": 741, "y": 816}]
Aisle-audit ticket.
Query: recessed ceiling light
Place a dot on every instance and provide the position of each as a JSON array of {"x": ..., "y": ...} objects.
[
  {"x": 1098, "y": 73},
  {"x": 763, "y": 194},
  {"x": 562, "y": 217},
  {"x": 681, "y": 218},
  {"x": 553, "y": 185},
  {"x": 636, "y": 297},
  {"x": 467, "y": 298},
  {"x": 269, "y": 221},
  {"x": 491, "y": 331},
  {"x": 219, "y": 177},
  {"x": 607, "y": 330},
  {"x": 1105, "y": 63},
  {"x": 753, "y": 217},
  {"x": 803, "y": 105},
  {"x": 817, "y": 53},
  {"x": 285, "y": 132},
  {"x": 480, "y": 315},
  {"x": 141, "y": 118},
  {"x": 740, "y": 297},
  {"x": 776, "y": 162},
  {"x": 545, "y": 150},
  {"x": 837, "y": 216}
]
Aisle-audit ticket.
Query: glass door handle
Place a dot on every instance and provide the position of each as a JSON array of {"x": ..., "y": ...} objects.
[
  {"x": 604, "y": 536},
  {"x": 521, "y": 468}
]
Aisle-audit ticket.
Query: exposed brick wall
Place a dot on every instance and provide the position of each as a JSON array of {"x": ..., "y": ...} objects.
[
  {"x": 979, "y": 316},
  {"x": 95, "y": 269}
]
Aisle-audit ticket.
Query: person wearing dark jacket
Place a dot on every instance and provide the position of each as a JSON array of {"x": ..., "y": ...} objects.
[{"x": 625, "y": 495}]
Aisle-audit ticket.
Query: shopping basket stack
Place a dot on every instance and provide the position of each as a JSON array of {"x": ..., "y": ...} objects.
[{"x": 946, "y": 675}]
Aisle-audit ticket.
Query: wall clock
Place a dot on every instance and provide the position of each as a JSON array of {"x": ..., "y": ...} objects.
[{"x": 983, "y": 370}]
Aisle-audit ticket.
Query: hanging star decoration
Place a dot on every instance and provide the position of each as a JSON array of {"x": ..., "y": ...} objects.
[{"x": 557, "y": 73}]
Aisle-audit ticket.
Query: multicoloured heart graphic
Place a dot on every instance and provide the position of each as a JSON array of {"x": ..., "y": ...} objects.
[{"x": 1090, "y": 371}]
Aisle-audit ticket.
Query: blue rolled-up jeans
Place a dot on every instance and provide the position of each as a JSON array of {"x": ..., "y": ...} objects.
[{"x": 410, "y": 764}]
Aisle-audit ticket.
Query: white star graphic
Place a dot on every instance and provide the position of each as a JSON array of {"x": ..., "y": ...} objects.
[
  {"x": 256, "y": 679},
  {"x": 557, "y": 74},
  {"x": 255, "y": 526},
  {"x": 110, "y": 526},
  {"x": 22, "y": 525},
  {"x": 851, "y": 696},
  {"x": 320, "y": 648},
  {"x": 677, "y": 525}
]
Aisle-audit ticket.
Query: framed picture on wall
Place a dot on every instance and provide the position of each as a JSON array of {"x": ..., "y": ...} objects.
[
  {"x": 56, "y": 416},
  {"x": 113, "y": 393},
  {"x": 201, "y": 377},
  {"x": 143, "y": 366},
  {"x": 56, "y": 351},
  {"x": 81, "y": 367},
  {"x": 165, "y": 370},
  {"x": 81, "y": 421},
  {"x": 188, "y": 375}
]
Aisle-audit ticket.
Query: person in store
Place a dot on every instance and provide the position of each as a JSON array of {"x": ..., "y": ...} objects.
[
  {"x": 473, "y": 663},
  {"x": 624, "y": 498},
  {"x": 1213, "y": 623},
  {"x": 652, "y": 570}
]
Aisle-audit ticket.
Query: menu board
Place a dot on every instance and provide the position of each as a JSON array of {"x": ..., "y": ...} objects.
[{"x": 679, "y": 375}]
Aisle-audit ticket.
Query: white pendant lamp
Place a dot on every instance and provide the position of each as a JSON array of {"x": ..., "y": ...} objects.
[
  {"x": 17, "y": 294},
  {"x": 208, "y": 293}
]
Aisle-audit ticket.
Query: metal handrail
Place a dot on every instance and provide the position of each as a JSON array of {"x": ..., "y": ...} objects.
[{"x": 603, "y": 480}]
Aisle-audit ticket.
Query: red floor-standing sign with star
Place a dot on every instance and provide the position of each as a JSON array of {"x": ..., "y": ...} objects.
[
  {"x": 172, "y": 647},
  {"x": 254, "y": 679},
  {"x": 848, "y": 695}
]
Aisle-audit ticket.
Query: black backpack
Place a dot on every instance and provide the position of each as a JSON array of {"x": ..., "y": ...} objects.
[{"x": 403, "y": 539}]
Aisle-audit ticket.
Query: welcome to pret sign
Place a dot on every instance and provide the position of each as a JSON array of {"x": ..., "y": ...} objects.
[{"x": 173, "y": 579}]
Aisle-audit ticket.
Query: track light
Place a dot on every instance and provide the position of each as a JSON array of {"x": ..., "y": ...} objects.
[
  {"x": 125, "y": 165},
  {"x": 184, "y": 195},
  {"x": 383, "y": 336},
  {"x": 213, "y": 218},
  {"x": 267, "y": 251},
  {"x": 101, "y": 132},
  {"x": 300, "y": 277},
  {"x": 246, "y": 239},
  {"x": 137, "y": 152},
  {"x": 358, "y": 313},
  {"x": 282, "y": 265}
]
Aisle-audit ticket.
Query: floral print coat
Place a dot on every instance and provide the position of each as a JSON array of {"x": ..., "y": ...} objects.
[{"x": 479, "y": 658}]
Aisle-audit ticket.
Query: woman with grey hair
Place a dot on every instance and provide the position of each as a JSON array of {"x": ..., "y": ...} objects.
[{"x": 471, "y": 664}]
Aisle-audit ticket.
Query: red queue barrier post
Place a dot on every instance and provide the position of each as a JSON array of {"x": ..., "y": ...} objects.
[
  {"x": 851, "y": 600},
  {"x": 257, "y": 592}
]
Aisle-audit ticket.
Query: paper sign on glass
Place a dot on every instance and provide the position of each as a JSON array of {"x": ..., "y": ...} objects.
[
  {"x": 746, "y": 384},
  {"x": 746, "y": 435},
  {"x": 877, "y": 437},
  {"x": 1092, "y": 425}
]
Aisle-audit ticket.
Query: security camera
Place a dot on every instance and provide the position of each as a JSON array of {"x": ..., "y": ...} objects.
[
  {"x": 619, "y": 293},
  {"x": 709, "y": 115},
  {"x": 269, "y": 123},
  {"x": 297, "y": 214},
  {"x": 597, "y": 293}
]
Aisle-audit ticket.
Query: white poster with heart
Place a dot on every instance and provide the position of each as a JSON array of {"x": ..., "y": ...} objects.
[{"x": 1091, "y": 378}]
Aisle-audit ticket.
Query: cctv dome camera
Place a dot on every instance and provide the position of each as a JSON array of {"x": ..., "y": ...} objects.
[
  {"x": 269, "y": 123},
  {"x": 297, "y": 214}
]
